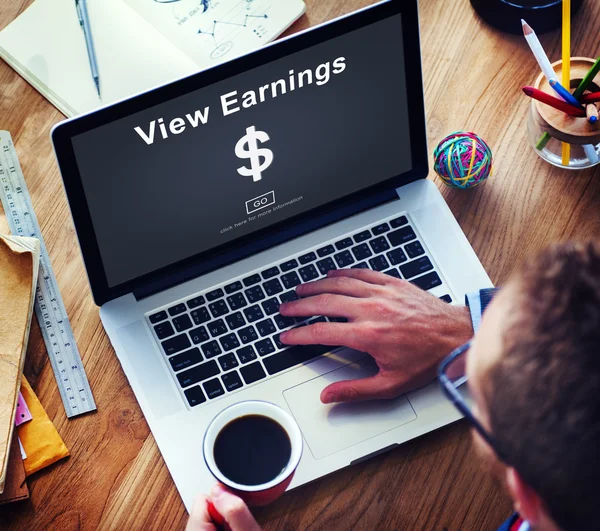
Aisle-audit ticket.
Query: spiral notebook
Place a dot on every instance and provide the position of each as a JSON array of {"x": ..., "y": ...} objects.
[{"x": 139, "y": 44}]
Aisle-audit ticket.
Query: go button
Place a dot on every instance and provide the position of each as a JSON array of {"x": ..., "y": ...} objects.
[{"x": 262, "y": 201}]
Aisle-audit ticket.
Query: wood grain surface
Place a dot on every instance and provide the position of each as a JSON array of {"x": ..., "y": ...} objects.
[{"x": 116, "y": 479}]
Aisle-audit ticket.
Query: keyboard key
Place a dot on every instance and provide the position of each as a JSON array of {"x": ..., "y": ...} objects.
[
  {"x": 414, "y": 249},
  {"x": 194, "y": 396},
  {"x": 213, "y": 388},
  {"x": 254, "y": 313},
  {"x": 265, "y": 327},
  {"x": 229, "y": 342},
  {"x": 233, "y": 287},
  {"x": 361, "y": 251},
  {"x": 283, "y": 322},
  {"x": 264, "y": 347},
  {"x": 317, "y": 320},
  {"x": 306, "y": 258},
  {"x": 157, "y": 317},
  {"x": 199, "y": 335},
  {"x": 255, "y": 294},
  {"x": 198, "y": 373},
  {"x": 253, "y": 372},
  {"x": 235, "y": 320},
  {"x": 195, "y": 302},
  {"x": 216, "y": 328},
  {"x": 163, "y": 330},
  {"x": 273, "y": 287},
  {"x": 228, "y": 361},
  {"x": 211, "y": 349},
  {"x": 251, "y": 280},
  {"x": 379, "y": 244},
  {"x": 344, "y": 259},
  {"x": 289, "y": 265},
  {"x": 232, "y": 381},
  {"x": 200, "y": 316},
  {"x": 324, "y": 251},
  {"x": 428, "y": 281},
  {"x": 398, "y": 222},
  {"x": 344, "y": 244},
  {"x": 290, "y": 280},
  {"x": 446, "y": 298},
  {"x": 177, "y": 309},
  {"x": 176, "y": 344},
  {"x": 270, "y": 273},
  {"x": 416, "y": 267},
  {"x": 214, "y": 294},
  {"x": 277, "y": 340},
  {"x": 218, "y": 308},
  {"x": 271, "y": 306},
  {"x": 248, "y": 334},
  {"x": 293, "y": 356},
  {"x": 246, "y": 354},
  {"x": 393, "y": 273},
  {"x": 360, "y": 265},
  {"x": 289, "y": 296},
  {"x": 308, "y": 273},
  {"x": 397, "y": 256},
  {"x": 380, "y": 229},
  {"x": 236, "y": 301},
  {"x": 379, "y": 263},
  {"x": 325, "y": 265},
  {"x": 362, "y": 236},
  {"x": 400, "y": 236},
  {"x": 186, "y": 359},
  {"x": 182, "y": 323}
]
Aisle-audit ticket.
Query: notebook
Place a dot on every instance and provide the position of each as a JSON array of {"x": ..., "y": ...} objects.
[
  {"x": 19, "y": 263},
  {"x": 139, "y": 44}
]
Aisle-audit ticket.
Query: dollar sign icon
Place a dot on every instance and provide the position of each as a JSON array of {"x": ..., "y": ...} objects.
[{"x": 254, "y": 153}]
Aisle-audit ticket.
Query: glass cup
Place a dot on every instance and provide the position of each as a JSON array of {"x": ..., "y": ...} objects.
[{"x": 548, "y": 128}]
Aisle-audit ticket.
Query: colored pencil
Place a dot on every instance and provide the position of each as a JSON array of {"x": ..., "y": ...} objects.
[
  {"x": 566, "y": 68},
  {"x": 538, "y": 51},
  {"x": 591, "y": 112},
  {"x": 589, "y": 77},
  {"x": 590, "y": 152},
  {"x": 561, "y": 105},
  {"x": 564, "y": 93},
  {"x": 592, "y": 97}
]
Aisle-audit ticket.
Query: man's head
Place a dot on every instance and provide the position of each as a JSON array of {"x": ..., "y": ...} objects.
[{"x": 534, "y": 372}]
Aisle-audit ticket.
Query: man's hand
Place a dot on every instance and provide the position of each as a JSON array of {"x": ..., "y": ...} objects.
[
  {"x": 232, "y": 509},
  {"x": 407, "y": 330}
]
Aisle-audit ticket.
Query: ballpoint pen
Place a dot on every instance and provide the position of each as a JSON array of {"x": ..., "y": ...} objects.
[{"x": 84, "y": 21}]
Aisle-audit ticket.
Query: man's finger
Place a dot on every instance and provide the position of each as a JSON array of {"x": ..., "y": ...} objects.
[
  {"x": 331, "y": 334},
  {"x": 366, "y": 275},
  {"x": 324, "y": 304},
  {"x": 233, "y": 509},
  {"x": 340, "y": 285},
  {"x": 199, "y": 519},
  {"x": 357, "y": 390}
]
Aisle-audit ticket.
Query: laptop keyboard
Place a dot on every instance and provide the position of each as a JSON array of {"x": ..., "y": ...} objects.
[{"x": 227, "y": 337}]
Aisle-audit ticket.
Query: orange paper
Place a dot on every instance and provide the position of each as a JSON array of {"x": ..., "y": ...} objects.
[{"x": 41, "y": 442}]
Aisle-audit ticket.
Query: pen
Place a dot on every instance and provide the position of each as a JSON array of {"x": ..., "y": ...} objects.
[
  {"x": 564, "y": 93},
  {"x": 84, "y": 21},
  {"x": 554, "y": 102}
]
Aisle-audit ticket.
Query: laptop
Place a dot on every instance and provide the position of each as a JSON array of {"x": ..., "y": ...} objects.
[{"x": 201, "y": 205}]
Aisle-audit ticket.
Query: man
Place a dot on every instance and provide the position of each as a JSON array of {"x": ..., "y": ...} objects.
[{"x": 533, "y": 373}]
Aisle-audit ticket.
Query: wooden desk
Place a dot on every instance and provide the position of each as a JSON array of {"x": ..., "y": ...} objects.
[{"x": 116, "y": 478}]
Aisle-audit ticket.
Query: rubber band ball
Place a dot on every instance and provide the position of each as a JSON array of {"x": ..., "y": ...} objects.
[{"x": 463, "y": 160}]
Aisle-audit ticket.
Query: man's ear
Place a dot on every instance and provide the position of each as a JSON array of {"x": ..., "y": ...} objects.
[{"x": 527, "y": 502}]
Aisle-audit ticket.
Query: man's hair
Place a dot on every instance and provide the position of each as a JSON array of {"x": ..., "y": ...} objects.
[{"x": 544, "y": 393}]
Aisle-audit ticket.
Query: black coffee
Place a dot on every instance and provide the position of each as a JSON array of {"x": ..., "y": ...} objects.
[{"x": 252, "y": 450}]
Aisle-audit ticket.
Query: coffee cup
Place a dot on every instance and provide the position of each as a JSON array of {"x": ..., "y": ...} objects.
[{"x": 253, "y": 448}]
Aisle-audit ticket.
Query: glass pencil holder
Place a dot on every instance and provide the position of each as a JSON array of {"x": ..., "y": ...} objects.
[{"x": 549, "y": 129}]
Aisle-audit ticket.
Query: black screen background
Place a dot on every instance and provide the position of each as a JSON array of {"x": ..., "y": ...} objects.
[{"x": 154, "y": 205}]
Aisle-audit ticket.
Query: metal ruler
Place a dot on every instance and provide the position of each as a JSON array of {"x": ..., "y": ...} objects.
[{"x": 50, "y": 310}]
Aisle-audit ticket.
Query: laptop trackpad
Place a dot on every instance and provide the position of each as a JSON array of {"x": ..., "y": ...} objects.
[{"x": 329, "y": 428}]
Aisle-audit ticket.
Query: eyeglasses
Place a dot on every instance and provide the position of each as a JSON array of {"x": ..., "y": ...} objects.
[{"x": 453, "y": 378}]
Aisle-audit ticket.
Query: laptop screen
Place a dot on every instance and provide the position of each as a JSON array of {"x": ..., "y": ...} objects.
[{"x": 222, "y": 162}]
